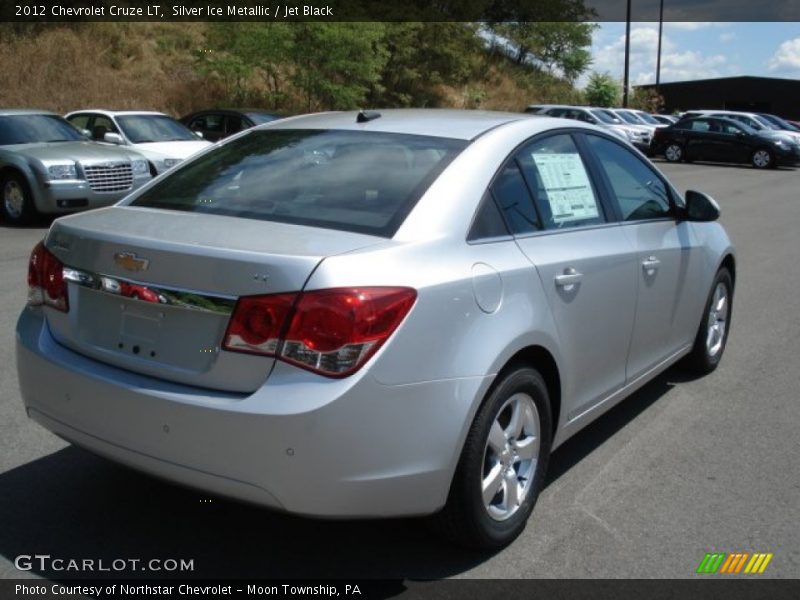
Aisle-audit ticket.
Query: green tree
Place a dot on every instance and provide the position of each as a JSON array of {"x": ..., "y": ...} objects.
[
  {"x": 557, "y": 46},
  {"x": 337, "y": 64},
  {"x": 422, "y": 56},
  {"x": 602, "y": 90},
  {"x": 236, "y": 53}
]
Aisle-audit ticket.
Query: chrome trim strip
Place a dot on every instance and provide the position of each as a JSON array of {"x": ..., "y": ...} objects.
[{"x": 145, "y": 292}]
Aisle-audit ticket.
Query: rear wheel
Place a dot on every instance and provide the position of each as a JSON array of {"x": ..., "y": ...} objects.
[
  {"x": 712, "y": 335},
  {"x": 16, "y": 201},
  {"x": 762, "y": 159},
  {"x": 502, "y": 465},
  {"x": 673, "y": 153}
]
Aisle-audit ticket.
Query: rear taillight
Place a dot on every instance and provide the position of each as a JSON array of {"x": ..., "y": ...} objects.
[
  {"x": 256, "y": 323},
  {"x": 46, "y": 283},
  {"x": 331, "y": 332}
]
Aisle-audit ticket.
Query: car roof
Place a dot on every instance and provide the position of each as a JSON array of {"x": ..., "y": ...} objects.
[
  {"x": 7, "y": 112},
  {"x": 435, "y": 122},
  {"x": 115, "y": 113}
]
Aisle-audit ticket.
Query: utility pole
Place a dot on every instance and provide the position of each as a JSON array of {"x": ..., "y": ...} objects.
[
  {"x": 658, "y": 62},
  {"x": 627, "y": 55}
]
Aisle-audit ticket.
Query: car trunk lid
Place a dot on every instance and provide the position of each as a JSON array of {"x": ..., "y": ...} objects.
[{"x": 152, "y": 291}]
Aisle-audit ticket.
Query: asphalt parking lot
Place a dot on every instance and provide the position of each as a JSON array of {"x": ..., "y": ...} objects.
[{"x": 683, "y": 467}]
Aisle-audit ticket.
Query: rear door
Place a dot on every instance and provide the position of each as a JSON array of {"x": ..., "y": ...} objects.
[
  {"x": 586, "y": 265},
  {"x": 667, "y": 255},
  {"x": 699, "y": 143}
]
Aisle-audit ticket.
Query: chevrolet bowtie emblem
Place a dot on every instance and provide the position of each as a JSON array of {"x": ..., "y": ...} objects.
[{"x": 130, "y": 262}]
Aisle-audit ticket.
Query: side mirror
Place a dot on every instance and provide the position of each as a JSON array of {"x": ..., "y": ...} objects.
[
  {"x": 86, "y": 133},
  {"x": 113, "y": 138},
  {"x": 199, "y": 134},
  {"x": 701, "y": 207}
]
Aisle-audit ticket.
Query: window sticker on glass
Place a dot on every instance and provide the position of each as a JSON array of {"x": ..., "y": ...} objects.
[{"x": 569, "y": 191}]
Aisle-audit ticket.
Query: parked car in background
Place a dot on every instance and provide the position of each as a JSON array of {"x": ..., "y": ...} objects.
[
  {"x": 646, "y": 118},
  {"x": 537, "y": 109},
  {"x": 725, "y": 140},
  {"x": 665, "y": 119},
  {"x": 632, "y": 118},
  {"x": 752, "y": 120},
  {"x": 162, "y": 140},
  {"x": 47, "y": 166},
  {"x": 587, "y": 115},
  {"x": 541, "y": 271},
  {"x": 217, "y": 124},
  {"x": 639, "y": 135},
  {"x": 779, "y": 122}
]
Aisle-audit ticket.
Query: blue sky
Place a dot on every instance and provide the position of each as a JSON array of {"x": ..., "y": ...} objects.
[{"x": 696, "y": 50}]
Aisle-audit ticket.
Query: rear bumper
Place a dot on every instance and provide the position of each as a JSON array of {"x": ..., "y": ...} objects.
[{"x": 301, "y": 443}]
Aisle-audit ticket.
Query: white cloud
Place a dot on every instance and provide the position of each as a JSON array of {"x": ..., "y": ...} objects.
[
  {"x": 676, "y": 65},
  {"x": 689, "y": 25},
  {"x": 727, "y": 36},
  {"x": 786, "y": 59}
]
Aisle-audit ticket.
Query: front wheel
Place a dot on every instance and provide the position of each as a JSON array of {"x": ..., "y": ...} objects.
[
  {"x": 16, "y": 202},
  {"x": 712, "y": 335},
  {"x": 673, "y": 153},
  {"x": 503, "y": 464},
  {"x": 762, "y": 159}
]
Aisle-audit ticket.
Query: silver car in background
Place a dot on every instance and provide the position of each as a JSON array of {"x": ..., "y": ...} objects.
[
  {"x": 374, "y": 314},
  {"x": 47, "y": 166}
]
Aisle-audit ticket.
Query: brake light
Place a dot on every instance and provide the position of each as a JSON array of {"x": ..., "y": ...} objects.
[
  {"x": 46, "y": 283},
  {"x": 256, "y": 323},
  {"x": 331, "y": 332}
]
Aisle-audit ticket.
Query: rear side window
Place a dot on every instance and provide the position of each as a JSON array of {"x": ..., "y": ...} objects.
[
  {"x": 357, "y": 181},
  {"x": 488, "y": 223},
  {"x": 560, "y": 182},
  {"x": 514, "y": 199},
  {"x": 700, "y": 125}
]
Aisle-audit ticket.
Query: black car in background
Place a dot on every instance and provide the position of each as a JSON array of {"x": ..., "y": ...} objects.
[
  {"x": 724, "y": 140},
  {"x": 216, "y": 124}
]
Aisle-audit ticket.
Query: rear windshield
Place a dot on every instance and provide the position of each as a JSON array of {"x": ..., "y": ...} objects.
[{"x": 358, "y": 181}]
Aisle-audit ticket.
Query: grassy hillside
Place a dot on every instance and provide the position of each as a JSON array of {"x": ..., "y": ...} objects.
[{"x": 167, "y": 67}]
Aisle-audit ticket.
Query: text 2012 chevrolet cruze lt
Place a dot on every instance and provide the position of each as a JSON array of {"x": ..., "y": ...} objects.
[{"x": 373, "y": 314}]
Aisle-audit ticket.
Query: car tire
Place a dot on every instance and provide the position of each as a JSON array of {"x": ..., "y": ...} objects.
[
  {"x": 761, "y": 158},
  {"x": 506, "y": 451},
  {"x": 712, "y": 334},
  {"x": 16, "y": 200},
  {"x": 673, "y": 153}
]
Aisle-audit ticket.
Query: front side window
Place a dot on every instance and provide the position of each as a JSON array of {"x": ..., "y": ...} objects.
[
  {"x": 101, "y": 126},
  {"x": 561, "y": 185},
  {"x": 350, "y": 180},
  {"x": 639, "y": 192},
  {"x": 79, "y": 121},
  {"x": 211, "y": 123}
]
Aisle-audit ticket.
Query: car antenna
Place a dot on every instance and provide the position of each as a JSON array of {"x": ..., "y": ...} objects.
[{"x": 365, "y": 116}]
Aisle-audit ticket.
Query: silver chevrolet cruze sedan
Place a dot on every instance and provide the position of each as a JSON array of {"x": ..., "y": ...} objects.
[{"x": 374, "y": 314}]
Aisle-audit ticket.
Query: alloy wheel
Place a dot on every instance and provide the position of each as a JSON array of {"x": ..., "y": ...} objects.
[
  {"x": 717, "y": 320},
  {"x": 510, "y": 457},
  {"x": 13, "y": 199}
]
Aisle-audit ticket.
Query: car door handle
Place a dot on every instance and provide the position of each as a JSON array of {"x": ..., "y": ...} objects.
[
  {"x": 569, "y": 277},
  {"x": 650, "y": 264}
]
